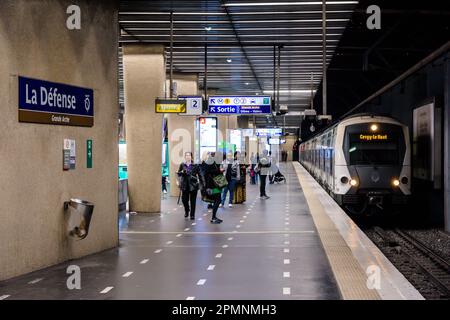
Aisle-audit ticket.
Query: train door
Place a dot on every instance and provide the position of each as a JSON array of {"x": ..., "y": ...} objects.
[
  {"x": 333, "y": 153},
  {"x": 322, "y": 158},
  {"x": 329, "y": 160}
]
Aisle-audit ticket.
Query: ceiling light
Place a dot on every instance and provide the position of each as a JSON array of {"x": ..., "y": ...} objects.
[
  {"x": 229, "y": 60},
  {"x": 247, "y": 83},
  {"x": 289, "y": 91},
  {"x": 208, "y": 28},
  {"x": 251, "y": 4}
]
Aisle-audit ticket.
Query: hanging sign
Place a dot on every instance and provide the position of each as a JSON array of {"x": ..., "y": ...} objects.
[
  {"x": 194, "y": 105},
  {"x": 239, "y": 105},
  {"x": 170, "y": 106},
  {"x": 55, "y": 103}
]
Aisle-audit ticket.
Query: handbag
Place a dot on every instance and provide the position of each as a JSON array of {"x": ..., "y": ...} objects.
[{"x": 220, "y": 181}]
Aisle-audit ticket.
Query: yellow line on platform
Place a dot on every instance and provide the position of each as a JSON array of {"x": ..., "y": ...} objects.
[
  {"x": 350, "y": 277},
  {"x": 218, "y": 232}
]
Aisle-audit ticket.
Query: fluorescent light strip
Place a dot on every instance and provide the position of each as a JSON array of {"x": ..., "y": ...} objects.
[
  {"x": 249, "y": 54},
  {"x": 298, "y": 3},
  {"x": 234, "y": 36},
  {"x": 226, "y": 41},
  {"x": 227, "y": 22},
  {"x": 259, "y": 47},
  {"x": 230, "y": 29},
  {"x": 143, "y": 13}
]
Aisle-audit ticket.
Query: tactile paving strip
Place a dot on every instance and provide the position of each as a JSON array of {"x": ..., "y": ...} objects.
[{"x": 351, "y": 279}]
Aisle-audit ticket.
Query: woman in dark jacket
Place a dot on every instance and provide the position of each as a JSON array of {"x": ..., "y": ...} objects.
[
  {"x": 189, "y": 184},
  {"x": 211, "y": 169}
]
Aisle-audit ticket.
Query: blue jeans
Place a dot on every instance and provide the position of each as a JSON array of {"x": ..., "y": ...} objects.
[{"x": 230, "y": 187}]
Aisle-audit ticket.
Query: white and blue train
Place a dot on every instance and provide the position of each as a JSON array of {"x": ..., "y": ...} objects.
[{"x": 362, "y": 161}]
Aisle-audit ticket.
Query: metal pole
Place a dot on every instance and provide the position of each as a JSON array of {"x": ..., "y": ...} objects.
[
  {"x": 278, "y": 78},
  {"x": 312, "y": 90},
  {"x": 171, "y": 55},
  {"x": 324, "y": 57},
  {"x": 205, "y": 78},
  {"x": 447, "y": 147},
  {"x": 274, "y": 74}
]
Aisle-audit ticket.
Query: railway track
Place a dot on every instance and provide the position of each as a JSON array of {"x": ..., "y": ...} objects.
[{"x": 424, "y": 268}]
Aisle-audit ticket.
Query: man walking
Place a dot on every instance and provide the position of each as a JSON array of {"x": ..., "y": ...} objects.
[{"x": 263, "y": 169}]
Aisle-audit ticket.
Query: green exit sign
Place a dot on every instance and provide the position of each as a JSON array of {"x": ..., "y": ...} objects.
[{"x": 89, "y": 154}]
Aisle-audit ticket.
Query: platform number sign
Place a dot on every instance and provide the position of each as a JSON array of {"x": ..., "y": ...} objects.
[{"x": 194, "y": 105}]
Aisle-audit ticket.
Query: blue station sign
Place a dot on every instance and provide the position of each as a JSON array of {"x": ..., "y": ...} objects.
[
  {"x": 239, "y": 105},
  {"x": 55, "y": 103}
]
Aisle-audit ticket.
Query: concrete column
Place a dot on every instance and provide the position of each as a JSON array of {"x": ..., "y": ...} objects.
[
  {"x": 242, "y": 122},
  {"x": 35, "y": 43},
  {"x": 447, "y": 146},
  {"x": 181, "y": 129},
  {"x": 225, "y": 123},
  {"x": 144, "y": 78}
]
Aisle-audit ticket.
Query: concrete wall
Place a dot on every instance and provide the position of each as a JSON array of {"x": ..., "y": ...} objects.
[
  {"x": 181, "y": 128},
  {"x": 399, "y": 102},
  {"x": 144, "y": 78},
  {"x": 35, "y": 42}
]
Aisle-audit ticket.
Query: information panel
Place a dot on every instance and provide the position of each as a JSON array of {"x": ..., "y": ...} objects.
[
  {"x": 55, "y": 103},
  {"x": 208, "y": 134},
  {"x": 239, "y": 105},
  {"x": 269, "y": 131}
]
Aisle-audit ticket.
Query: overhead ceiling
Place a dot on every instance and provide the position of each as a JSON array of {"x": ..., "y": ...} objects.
[{"x": 241, "y": 37}]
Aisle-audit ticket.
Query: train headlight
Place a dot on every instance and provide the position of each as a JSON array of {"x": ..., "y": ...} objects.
[
  {"x": 353, "y": 182},
  {"x": 374, "y": 127},
  {"x": 344, "y": 180},
  {"x": 405, "y": 180},
  {"x": 395, "y": 182}
]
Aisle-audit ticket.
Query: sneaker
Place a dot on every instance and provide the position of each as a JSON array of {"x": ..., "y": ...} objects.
[
  {"x": 216, "y": 221},
  {"x": 192, "y": 218},
  {"x": 220, "y": 205},
  {"x": 230, "y": 205},
  {"x": 266, "y": 197},
  {"x": 165, "y": 191},
  {"x": 186, "y": 215}
]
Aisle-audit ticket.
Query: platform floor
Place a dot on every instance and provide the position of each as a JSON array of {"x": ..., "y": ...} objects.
[{"x": 264, "y": 249}]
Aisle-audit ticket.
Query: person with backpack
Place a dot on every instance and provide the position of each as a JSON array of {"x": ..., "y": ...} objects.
[
  {"x": 189, "y": 184},
  {"x": 214, "y": 182},
  {"x": 263, "y": 169},
  {"x": 232, "y": 171}
]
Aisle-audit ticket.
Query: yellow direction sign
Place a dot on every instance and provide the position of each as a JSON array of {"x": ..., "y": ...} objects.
[{"x": 170, "y": 106}]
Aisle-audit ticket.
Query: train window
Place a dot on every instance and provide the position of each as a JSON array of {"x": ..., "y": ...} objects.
[{"x": 369, "y": 152}]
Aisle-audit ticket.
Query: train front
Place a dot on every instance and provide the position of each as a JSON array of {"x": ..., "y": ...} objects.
[{"x": 378, "y": 165}]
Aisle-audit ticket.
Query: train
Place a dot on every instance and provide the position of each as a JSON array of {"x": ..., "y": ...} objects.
[{"x": 362, "y": 161}]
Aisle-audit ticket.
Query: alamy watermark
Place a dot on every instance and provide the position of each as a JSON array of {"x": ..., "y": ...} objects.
[
  {"x": 74, "y": 280},
  {"x": 73, "y": 21}
]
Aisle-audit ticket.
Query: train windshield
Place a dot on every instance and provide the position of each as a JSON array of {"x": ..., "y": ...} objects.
[{"x": 374, "y": 149}]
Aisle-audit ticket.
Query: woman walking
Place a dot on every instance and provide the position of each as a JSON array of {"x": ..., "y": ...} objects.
[
  {"x": 189, "y": 184},
  {"x": 214, "y": 182}
]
